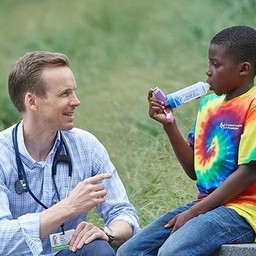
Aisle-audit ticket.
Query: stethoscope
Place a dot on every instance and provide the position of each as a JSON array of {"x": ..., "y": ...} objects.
[{"x": 22, "y": 185}]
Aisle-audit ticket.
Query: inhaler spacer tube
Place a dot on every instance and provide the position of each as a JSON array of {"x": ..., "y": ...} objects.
[
  {"x": 187, "y": 94},
  {"x": 182, "y": 96}
]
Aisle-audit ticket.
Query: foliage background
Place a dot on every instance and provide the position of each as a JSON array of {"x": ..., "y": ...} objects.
[{"x": 118, "y": 50}]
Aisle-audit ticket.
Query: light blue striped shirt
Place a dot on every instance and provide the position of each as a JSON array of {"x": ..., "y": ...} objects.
[{"x": 19, "y": 214}]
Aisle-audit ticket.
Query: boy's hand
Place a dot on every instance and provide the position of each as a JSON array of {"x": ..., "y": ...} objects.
[
  {"x": 157, "y": 110},
  {"x": 179, "y": 220}
]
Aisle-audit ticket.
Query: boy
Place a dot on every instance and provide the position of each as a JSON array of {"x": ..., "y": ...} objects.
[{"x": 220, "y": 156}]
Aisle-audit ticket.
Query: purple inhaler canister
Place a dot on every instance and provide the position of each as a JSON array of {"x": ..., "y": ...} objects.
[{"x": 161, "y": 96}]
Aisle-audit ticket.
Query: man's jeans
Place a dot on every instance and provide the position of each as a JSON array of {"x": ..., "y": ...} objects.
[
  {"x": 201, "y": 235},
  {"x": 95, "y": 248}
]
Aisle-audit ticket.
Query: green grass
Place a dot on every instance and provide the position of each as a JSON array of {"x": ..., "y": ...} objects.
[{"x": 118, "y": 50}]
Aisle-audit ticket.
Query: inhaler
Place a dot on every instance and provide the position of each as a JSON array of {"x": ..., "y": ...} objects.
[{"x": 182, "y": 96}]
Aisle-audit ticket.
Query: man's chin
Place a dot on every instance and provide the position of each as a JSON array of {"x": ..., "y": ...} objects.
[{"x": 67, "y": 127}]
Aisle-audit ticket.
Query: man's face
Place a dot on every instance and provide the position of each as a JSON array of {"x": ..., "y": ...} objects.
[{"x": 56, "y": 110}]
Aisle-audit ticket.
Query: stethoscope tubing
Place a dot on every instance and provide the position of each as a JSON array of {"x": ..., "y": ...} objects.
[{"x": 58, "y": 157}]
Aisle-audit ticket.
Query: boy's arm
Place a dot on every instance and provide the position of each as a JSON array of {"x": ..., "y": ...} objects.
[
  {"x": 235, "y": 184},
  {"x": 183, "y": 151}
]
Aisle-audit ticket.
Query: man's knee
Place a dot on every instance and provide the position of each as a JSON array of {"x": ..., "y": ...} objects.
[
  {"x": 95, "y": 248},
  {"x": 98, "y": 248}
]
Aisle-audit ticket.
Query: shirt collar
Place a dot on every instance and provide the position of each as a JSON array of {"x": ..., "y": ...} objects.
[{"x": 25, "y": 156}]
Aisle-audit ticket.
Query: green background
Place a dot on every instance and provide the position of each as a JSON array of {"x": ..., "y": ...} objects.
[{"x": 118, "y": 51}]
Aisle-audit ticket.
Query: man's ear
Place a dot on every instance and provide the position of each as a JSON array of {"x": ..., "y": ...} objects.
[
  {"x": 245, "y": 68},
  {"x": 30, "y": 101}
]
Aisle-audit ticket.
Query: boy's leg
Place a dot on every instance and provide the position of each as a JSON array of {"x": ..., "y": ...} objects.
[
  {"x": 204, "y": 234},
  {"x": 150, "y": 238},
  {"x": 95, "y": 248}
]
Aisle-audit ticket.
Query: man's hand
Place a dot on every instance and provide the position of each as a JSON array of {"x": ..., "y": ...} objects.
[
  {"x": 84, "y": 234},
  {"x": 87, "y": 194}
]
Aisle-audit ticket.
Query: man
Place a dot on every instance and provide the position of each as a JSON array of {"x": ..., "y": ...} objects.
[{"x": 52, "y": 174}]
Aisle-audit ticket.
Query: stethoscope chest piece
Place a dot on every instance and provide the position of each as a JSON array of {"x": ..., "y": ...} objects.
[{"x": 18, "y": 187}]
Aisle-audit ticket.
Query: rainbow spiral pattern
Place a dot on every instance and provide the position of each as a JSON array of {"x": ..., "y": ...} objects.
[{"x": 224, "y": 137}]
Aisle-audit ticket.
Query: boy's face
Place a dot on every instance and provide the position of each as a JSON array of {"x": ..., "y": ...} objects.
[{"x": 223, "y": 73}]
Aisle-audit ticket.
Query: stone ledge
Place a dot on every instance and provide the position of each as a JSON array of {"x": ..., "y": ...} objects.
[{"x": 237, "y": 250}]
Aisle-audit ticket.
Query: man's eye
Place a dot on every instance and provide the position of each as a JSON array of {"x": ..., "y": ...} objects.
[{"x": 64, "y": 94}]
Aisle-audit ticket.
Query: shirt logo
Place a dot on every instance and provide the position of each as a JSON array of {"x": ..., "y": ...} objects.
[{"x": 230, "y": 126}]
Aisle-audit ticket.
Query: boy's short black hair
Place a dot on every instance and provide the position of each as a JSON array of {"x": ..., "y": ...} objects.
[{"x": 239, "y": 43}]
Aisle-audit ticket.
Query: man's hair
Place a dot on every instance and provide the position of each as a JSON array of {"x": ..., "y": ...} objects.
[
  {"x": 25, "y": 75},
  {"x": 239, "y": 42}
]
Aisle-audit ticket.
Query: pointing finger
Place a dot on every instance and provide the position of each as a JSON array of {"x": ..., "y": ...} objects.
[{"x": 95, "y": 179}]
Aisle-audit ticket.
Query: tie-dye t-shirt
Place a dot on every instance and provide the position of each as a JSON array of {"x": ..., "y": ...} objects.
[{"x": 224, "y": 136}]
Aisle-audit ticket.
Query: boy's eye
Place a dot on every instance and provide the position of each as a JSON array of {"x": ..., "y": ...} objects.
[{"x": 215, "y": 64}]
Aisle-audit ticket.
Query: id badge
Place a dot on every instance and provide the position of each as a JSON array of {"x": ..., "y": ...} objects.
[{"x": 59, "y": 241}]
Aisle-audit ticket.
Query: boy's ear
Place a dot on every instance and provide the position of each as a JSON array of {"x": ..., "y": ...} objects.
[{"x": 245, "y": 68}]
